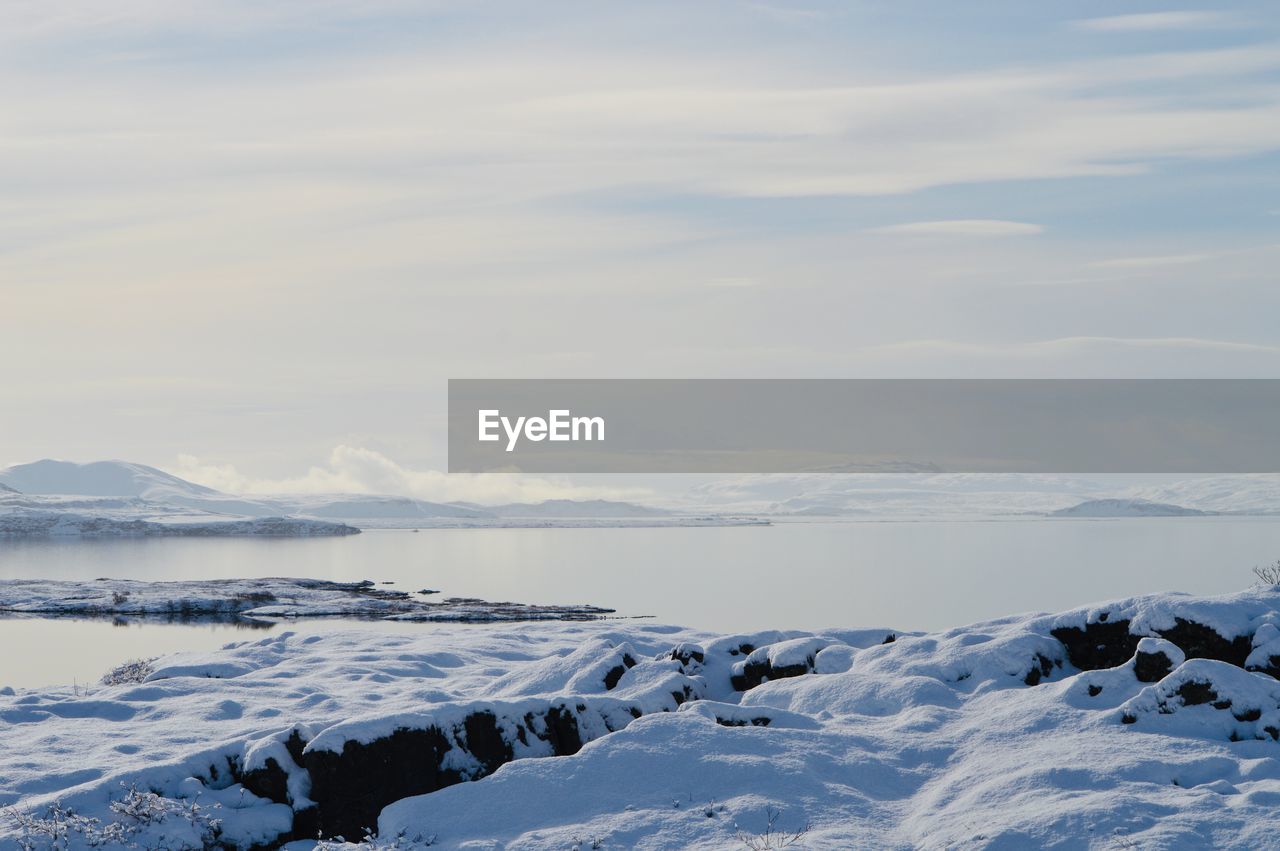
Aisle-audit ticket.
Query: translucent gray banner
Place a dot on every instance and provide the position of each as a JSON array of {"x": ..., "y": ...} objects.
[{"x": 856, "y": 425}]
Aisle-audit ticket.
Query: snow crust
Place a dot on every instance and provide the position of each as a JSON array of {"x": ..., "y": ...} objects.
[{"x": 870, "y": 738}]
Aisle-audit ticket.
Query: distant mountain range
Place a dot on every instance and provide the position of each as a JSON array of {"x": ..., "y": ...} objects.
[
  {"x": 127, "y": 491},
  {"x": 1127, "y": 508},
  {"x": 940, "y": 496}
]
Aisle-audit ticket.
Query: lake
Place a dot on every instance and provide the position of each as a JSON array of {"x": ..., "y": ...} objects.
[{"x": 804, "y": 575}]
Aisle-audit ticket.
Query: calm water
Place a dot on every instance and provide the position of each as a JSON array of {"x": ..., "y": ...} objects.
[{"x": 906, "y": 575}]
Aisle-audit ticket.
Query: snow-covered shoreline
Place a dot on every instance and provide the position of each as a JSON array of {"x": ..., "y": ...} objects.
[
  {"x": 229, "y": 600},
  {"x": 1147, "y": 722},
  {"x": 58, "y": 524}
]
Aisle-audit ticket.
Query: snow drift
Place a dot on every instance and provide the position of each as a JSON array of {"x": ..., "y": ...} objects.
[{"x": 1145, "y": 722}]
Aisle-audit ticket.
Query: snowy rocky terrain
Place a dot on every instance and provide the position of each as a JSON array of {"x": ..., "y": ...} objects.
[
  {"x": 259, "y": 599},
  {"x": 23, "y": 516},
  {"x": 1150, "y": 722}
]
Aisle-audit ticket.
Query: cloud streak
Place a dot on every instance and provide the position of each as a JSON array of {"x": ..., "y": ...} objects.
[
  {"x": 301, "y": 218},
  {"x": 1150, "y": 262},
  {"x": 963, "y": 227},
  {"x": 1157, "y": 22}
]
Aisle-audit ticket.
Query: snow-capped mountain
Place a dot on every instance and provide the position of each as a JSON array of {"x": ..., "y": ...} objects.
[
  {"x": 104, "y": 497},
  {"x": 99, "y": 478},
  {"x": 1127, "y": 508},
  {"x": 126, "y": 479}
]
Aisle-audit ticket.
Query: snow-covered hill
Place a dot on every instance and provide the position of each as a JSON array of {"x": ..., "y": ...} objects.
[
  {"x": 60, "y": 499},
  {"x": 354, "y": 507},
  {"x": 125, "y": 479},
  {"x": 1127, "y": 508},
  {"x": 959, "y": 495},
  {"x": 1256, "y": 494},
  {"x": 1149, "y": 722},
  {"x": 99, "y": 478}
]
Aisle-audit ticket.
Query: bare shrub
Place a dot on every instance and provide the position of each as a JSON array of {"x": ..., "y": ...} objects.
[
  {"x": 133, "y": 671},
  {"x": 772, "y": 838},
  {"x": 1268, "y": 574},
  {"x": 59, "y": 827},
  {"x": 372, "y": 843}
]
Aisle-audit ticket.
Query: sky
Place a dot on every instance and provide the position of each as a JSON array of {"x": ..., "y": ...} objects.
[{"x": 249, "y": 243}]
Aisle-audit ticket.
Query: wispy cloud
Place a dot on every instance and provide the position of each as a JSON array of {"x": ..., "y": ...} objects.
[
  {"x": 330, "y": 207},
  {"x": 1081, "y": 342},
  {"x": 964, "y": 227},
  {"x": 1155, "y": 262},
  {"x": 1155, "y": 21}
]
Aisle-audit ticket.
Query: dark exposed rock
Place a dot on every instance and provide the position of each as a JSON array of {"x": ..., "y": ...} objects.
[
  {"x": 1271, "y": 669},
  {"x": 614, "y": 674},
  {"x": 1202, "y": 642},
  {"x": 1151, "y": 667},
  {"x": 1196, "y": 692},
  {"x": 271, "y": 782},
  {"x": 742, "y": 722},
  {"x": 485, "y": 741},
  {"x": 350, "y": 788},
  {"x": 1101, "y": 644},
  {"x": 1106, "y": 644},
  {"x": 295, "y": 746},
  {"x": 1094, "y": 690},
  {"x": 1042, "y": 668},
  {"x": 562, "y": 731},
  {"x": 687, "y": 654},
  {"x": 757, "y": 668}
]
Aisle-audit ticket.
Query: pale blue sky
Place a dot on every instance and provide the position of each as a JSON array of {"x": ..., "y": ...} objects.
[{"x": 251, "y": 233}]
